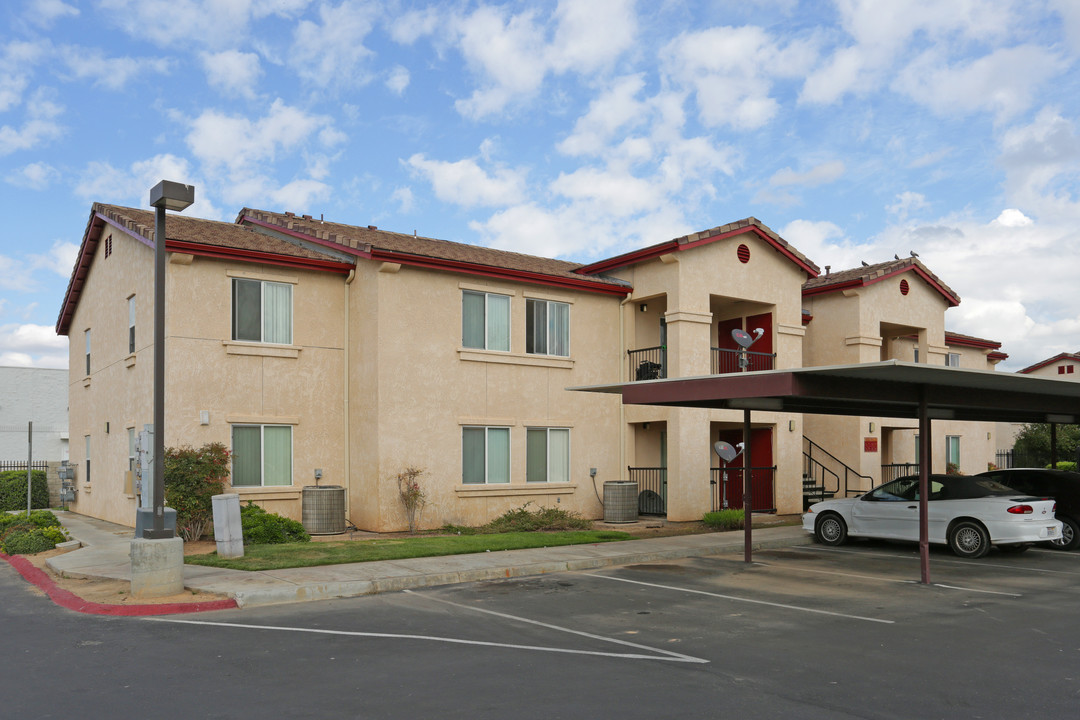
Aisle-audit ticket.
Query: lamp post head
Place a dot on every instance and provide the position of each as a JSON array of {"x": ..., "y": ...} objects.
[{"x": 172, "y": 195}]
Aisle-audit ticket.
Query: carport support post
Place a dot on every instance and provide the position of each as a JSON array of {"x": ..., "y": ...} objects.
[
  {"x": 924, "y": 486},
  {"x": 748, "y": 523}
]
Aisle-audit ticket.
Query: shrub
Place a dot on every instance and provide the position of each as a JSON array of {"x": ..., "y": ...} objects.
[
  {"x": 43, "y": 519},
  {"x": 14, "y": 523},
  {"x": 412, "y": 495},
  {"x": 266, "y": 528},
  {"x": 525, "y": 520},
  {"x": 192, "y": 478},
  {"x": 729, "y": 519},
  {"x": 28, "y": 541},
  {"x": 1065, "y": 465},
  {"x": 13, "y": 490}
]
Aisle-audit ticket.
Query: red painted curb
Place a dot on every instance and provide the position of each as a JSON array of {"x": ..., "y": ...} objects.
[{"x": 71, "y": 601}]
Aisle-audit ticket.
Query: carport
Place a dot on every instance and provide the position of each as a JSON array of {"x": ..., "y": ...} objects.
[{"x": 890, "y": 388}]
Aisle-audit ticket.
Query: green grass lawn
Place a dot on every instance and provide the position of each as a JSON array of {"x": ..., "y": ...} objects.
[{"x": 275, "y": 557}]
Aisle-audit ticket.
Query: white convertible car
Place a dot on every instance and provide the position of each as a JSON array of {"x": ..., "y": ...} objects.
[{"x": 969, "y": 513}]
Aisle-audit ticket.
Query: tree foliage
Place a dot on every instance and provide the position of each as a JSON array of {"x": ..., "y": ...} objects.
[
  {"x": 192, "y": 478},
  {"x": 1033, "y": 442},
  {"x": 13, "y": 490}
]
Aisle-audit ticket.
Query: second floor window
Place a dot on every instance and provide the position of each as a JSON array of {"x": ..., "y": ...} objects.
[
  {"x": 262, "y": 311},
  {"x": 485, "y": 321},
  {"x": 952, "y": 360},
  {"x": 547, "y": 328},
  {"x": 131, "y": 324},
  {"x": 87, "y": 352}
]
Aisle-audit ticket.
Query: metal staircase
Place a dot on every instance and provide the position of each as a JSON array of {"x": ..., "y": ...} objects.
[{"x": 825, "y": 476}]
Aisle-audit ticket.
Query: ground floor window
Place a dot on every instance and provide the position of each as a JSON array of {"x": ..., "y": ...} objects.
[
  {"x": 952, "y": 450},
  {"x": 547, "y": 455},
  {"x": 262, "y": 455},
  {"x": 485, "y": 455}
]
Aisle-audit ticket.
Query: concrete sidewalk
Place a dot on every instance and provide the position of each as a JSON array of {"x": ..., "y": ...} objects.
[{"x": 106, "y": 554}]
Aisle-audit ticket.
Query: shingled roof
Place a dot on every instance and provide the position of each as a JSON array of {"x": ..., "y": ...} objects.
[
  {"x": 371, "y": 242},
  {"x": 870, "y": 274},
  {"x": 185, "y": 234},
  {"x": 686, "y": 242}
]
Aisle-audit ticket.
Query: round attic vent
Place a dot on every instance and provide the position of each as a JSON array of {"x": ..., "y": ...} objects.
[
  {"x": 904, "y": 287},
  {"x": 744, "y": 254}
]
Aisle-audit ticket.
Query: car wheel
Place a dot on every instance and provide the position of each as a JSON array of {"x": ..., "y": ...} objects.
[
  {"x": 1070, "y": 535},
  {"x": 830, "y": 529},
  {"x": 969, "y": 539}
]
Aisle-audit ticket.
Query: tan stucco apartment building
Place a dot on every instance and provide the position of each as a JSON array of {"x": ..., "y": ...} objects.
[{"x": 306, "y": 345}]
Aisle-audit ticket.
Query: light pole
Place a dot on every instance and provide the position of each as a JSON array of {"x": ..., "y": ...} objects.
[{"x": 166, "y": 195}]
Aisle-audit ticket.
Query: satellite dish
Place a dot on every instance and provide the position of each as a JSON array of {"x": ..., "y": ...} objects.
[
  {"x": 726, "y": 452},
  {"x": 742, "y": 338}
]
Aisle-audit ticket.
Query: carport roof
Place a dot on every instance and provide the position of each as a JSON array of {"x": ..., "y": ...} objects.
[{"x": 890, "y": 388}]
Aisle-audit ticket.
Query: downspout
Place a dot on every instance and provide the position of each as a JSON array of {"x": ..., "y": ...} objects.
[
  {"x": 348, "y": 365},
  {"x": 622, "y": 406}
]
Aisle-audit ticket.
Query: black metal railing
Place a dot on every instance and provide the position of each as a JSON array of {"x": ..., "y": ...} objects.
[
  {"x": 648, "y": 363},
  {"x": 825, "y": 475},
  {"x": 1013, "y": 459},
  {"x": 895, "y": 470},
  {"x": 727, "y": 361},
  {"x": 727, "y": 488},
  {"x": 652, "y": 489},
  {"x": 6, "y": 465}
]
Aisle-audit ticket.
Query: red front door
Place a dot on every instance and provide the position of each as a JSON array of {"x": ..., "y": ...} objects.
[{"x": 761, "y": 459}]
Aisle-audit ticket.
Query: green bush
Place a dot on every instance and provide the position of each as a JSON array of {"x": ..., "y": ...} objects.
[
  {"x": 525, "y": 520},
  {"x": 43, "y": 518},
  {"x": 28, "y": 541},
  {"x": 13, "y": 490},
  {"x": 1065, "y": 465},
  {"x": 192, "y": 478},
  {"x": 265, "y": 528},
  {"x": 14, "y": 523},
  {"x": 729, "y": 519}
]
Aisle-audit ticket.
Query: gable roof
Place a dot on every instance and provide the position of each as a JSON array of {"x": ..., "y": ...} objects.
[
  {"x": 1075, "y": 357},
  {"x": 375, "y": 244},
  {"x": 195, "y": 236},
  {"x": 870, "y": 274},
  {"x": 748, "y": 225}
]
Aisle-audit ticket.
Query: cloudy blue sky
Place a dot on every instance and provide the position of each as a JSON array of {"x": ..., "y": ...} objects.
[{"x": 579, "y": 129}]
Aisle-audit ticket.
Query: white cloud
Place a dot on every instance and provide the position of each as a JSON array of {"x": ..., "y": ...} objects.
[
  {"x": 820, "y": 174},
  {"x": 40, "y": 126},
  {"x": 35, "y": 176},
  {"x": 410, "y": 26},
  {"x": 614, "y": 193},
  {"x": 32, "y": 346},
  {"x": 823, "y": 242},
  {"x": 110, "y": 73},
  {"x": 1011, "y": 217},
  {"x": 102, "y": 182},
  {"x": 906, "y": 203},
  {"x": 300, "y": 195},
  {"x": 232, "y": 72},
  {"x": 1041, "y": 163},
  {"x": 404, "y": 199},
  {"x": 44, "y": 13},
  {"x": 1003, "y": 82},
  {"x": 397, "y": 79},
  {"x": 731, "y": 71},
  {"x": 14, "y": 275},
  {"x": 465, "y": 183},
  {"x": 60, "y": 258},
  {"x": 578, "y": 46},
  {"x": 203, "y": 23},
  {"x": 609, "y": 114},
  {"x": 332, "y": 51}
]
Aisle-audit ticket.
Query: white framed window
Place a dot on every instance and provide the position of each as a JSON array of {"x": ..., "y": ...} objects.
[
  {"x": 262, "y": 455},
  {"x": 87, "y": 351},
  {"x": 87, "y": 478},
  {"x": 262, "y": 311},
  {"x": 952, "y": 450},
  {"x": 131, "y": 324},
  {"x": 485, "y": 321},
  {"x": 547, "y": 327},
  {"x": 547, "y": 454},
  {"x": 131, "y": 448},
  {"x": 485, "y": 455},
  {"x": 952, "y": 360}
]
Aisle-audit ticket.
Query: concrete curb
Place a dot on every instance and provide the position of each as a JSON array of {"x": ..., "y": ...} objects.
[{"x": 71, "y": 601}]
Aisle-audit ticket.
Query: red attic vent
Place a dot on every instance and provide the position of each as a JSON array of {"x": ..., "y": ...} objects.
[{"x": 744, "y": 254}]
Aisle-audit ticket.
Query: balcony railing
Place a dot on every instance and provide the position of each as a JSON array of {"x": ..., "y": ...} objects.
[
  {"x": 727, "y": 361},
  {"x": 648, "y": 363}
]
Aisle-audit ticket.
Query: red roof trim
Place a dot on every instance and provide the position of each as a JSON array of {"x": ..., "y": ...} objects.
[
  {"x": 863, "y": 282},
  {"x": 655, "y": 251},
  {"x": 497, "y": 272},
  {"x": 227, "y": 253},
  {"x": 1050, "y": 361},
  {"x": 997, "y": 355},
  {"x": 953, "y": 339}
]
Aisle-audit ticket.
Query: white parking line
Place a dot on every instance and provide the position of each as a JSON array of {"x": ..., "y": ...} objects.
[
  {"x": 989, "y": 592},
  {"x": 673, "y": 655},
  {"x": 747, "y": 600},
  {"x": 665, "y": 655}
]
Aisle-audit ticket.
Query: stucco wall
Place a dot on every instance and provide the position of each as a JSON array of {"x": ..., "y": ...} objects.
[{"x": 40, "y": 396}]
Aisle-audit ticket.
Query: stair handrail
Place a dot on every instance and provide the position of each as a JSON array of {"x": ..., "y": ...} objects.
[{"x": 848, "y": 470}]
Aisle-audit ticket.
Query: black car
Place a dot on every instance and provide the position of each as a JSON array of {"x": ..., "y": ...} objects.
[{"x": 1061, "y": 485}]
